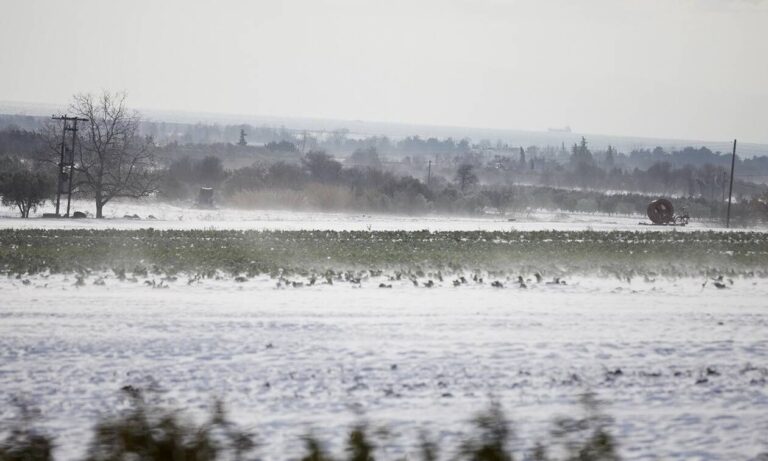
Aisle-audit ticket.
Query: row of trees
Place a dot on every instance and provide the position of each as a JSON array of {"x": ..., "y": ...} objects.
[
  {"x": 584, "y": 169},
  {"x": 113, "y": 159},
  {"x": 372, "y": 188},
  {"x": 320, "y": 182},
  {"x": 175, "y": 139},
  {"x": 688, "y": 171}
]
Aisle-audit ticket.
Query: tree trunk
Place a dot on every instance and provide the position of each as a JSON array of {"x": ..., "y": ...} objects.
[{"x": 99, "y": 204}]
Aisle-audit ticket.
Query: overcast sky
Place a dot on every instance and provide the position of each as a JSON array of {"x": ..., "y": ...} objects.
[{"x": 695, "y": 69}]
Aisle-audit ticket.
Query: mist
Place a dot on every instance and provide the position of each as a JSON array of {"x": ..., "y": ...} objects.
[
  {"x": 355, "y": 230},
  {"x": 683, "y": 69}
]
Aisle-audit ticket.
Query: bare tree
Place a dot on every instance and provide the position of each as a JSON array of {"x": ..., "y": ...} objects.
[{"x": 112, "y": 159}]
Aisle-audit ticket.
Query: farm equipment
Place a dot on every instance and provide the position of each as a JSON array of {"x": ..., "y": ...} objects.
[
  {"x": 205, "y": 199},
  {"x": 662, "y": 213}
]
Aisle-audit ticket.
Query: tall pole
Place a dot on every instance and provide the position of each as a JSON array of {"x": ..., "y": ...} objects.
[
  {"x": 66, "y": 161},
  {"x": 730, "y": 188},
  {"x": 61, "y": 163},
  {"x": 429, "y": 173},
  {"x": 72, "y": 163}
]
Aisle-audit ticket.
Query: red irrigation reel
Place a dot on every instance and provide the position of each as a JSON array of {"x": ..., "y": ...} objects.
[{"x": 662, "y": 213}]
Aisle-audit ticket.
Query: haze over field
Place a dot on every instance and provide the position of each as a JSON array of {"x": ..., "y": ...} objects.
[
  {"x": 356, "y": 230},
  {"x": 684, "y": 69}
]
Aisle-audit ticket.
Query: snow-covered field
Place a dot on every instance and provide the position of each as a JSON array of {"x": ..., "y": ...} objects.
[
  {"x": 684, "y": 368},
  {"x": 174, "y": 217},
  {"x": 682, "y": 365}
]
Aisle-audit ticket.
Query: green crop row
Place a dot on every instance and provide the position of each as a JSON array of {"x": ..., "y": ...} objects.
[{"x": 253, "y": 252}]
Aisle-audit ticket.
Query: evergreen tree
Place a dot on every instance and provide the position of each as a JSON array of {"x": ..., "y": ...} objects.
[
  {"x": 609, "y": 158},
  {"x": 581, "y": 154}
]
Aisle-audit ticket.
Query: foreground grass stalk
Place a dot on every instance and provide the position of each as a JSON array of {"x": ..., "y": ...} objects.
[{"x": 150, "y": 432}]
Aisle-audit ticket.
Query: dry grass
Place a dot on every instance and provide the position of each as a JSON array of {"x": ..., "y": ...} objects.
[
  {"x": 149, "y": 432},
  {"x": 315, "y": 197}
]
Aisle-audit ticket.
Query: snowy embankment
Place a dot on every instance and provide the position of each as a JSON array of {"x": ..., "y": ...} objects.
[
  {"x": 682, "y": 366},
  {"x": 165, "y": 216}
]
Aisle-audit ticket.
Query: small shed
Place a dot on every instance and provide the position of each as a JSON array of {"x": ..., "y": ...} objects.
[{"x": 205, "y": 197}]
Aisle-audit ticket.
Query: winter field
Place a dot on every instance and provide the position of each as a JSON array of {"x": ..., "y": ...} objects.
[
  {"x": 166, "y": 216},
  {"x": 308, "y": 322}
]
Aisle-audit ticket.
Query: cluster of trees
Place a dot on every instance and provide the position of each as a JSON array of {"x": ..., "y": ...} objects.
[
  {"x": 372, "y": 189},
  {"x": 111, "y": 158},
  {"x": 19, "y": 142},
  {"x": 600, "y": 171},
  {"x": 341, "y": 142},
  {"x": 318, "y": 181},
  {"x": 114, "y": 157}
]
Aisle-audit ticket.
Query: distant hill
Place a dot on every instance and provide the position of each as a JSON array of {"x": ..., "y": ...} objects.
[{"x": 359, "y": 128}]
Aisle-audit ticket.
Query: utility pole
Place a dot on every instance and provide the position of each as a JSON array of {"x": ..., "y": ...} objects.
[
  {"x": 730, "y": 188},
  {"x": 60, "y": 173},
  {"x": 66, "y": 160},
  {"x": 429, "y": 173}
]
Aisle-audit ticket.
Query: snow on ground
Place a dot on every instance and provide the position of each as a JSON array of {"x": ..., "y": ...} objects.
[
  {"x": 692, "y": 359},
  {"x": 175, "y": 217}
]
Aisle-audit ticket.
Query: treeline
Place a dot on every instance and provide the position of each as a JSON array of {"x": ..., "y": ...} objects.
[
  {"x": 468, "y": 180},
  {"x": 601, "y": 171},
  {"x": 21, "y": 143},
  {"x": 319, "y": 182},
  {"x": 175, "y": 138},
  {"x": 316, "y": 181}
]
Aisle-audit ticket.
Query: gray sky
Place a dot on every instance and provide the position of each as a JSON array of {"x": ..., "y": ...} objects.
[{"x": 695, "y": 69}]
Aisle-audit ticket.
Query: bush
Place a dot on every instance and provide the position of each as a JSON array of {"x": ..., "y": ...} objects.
[
  {"x": 23, "y": 442},
  {"x": 184, "y": 177},
  {"x": 23, "y": 188},
  {"x": 491, "y": 438},
  {"x": 153, "y": 433},
  {"x": 245, "y": 179},
  {"x": 322, "y": 167}
]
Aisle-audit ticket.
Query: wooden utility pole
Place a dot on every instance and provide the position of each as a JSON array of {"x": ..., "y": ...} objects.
[
  {"x": 730, "y": 188},
  {"x": 66, "y": 160},
  {"x": 429, "y": 173}
]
